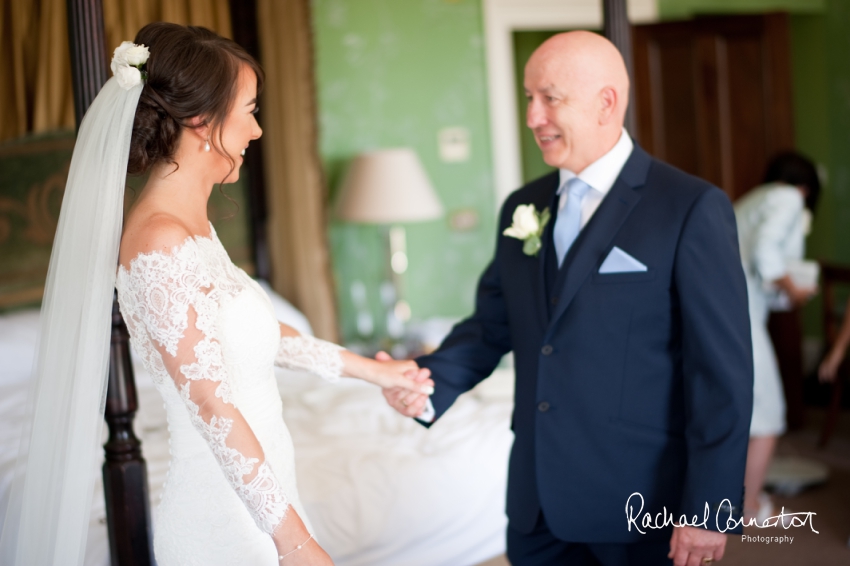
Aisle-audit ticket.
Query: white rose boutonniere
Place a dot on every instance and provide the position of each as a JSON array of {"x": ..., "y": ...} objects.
[
  {"x": 528, "y": 225},
  {"x": 128, "y": 63}
]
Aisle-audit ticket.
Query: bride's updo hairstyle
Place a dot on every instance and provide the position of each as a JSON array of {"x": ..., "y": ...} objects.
[{"x": 191, "y": 72}]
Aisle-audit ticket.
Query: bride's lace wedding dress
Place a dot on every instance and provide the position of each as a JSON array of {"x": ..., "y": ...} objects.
[{"x": 208, "y": 335}]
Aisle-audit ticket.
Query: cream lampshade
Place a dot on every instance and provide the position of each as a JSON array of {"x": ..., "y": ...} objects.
[{"x": 388, "y": 186}]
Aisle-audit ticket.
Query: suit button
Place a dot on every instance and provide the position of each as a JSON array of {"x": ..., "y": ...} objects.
[
  {"x": 554, "y": 300},
  {"x": 543, "y": 406},
  {"x": 546, "y": 350}
]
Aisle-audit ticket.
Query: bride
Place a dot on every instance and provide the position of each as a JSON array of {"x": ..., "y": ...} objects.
[{"x": 205, "y": 330}]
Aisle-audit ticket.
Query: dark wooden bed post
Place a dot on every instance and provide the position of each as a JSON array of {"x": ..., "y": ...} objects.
[
  {"x": 125, "y": 475},
  {"x": 618, "y": 29},
  {"x": 125, "y": 482}
]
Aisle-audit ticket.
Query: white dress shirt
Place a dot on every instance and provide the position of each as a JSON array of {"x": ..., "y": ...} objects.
[{"x": 600, "y": 175}]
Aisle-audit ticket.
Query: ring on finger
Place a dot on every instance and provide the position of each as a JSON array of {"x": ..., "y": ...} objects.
[{"x": 707, "y": 560}]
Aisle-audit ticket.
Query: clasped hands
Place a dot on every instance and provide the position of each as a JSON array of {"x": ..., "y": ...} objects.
[{"x": 408, "y": 401}]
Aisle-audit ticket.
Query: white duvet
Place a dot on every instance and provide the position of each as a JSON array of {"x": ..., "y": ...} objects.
[{"x": 379, "y": 489}]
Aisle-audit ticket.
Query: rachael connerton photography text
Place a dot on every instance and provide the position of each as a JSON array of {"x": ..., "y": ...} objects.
[{"x": 723, "y": 519}]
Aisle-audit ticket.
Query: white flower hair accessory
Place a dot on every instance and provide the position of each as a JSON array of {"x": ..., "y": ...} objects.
[
  {"x": 128, "y": 63},
  {"x": 528, "y": 225}
]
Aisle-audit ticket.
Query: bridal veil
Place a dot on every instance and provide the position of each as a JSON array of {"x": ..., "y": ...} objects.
[{"x": 47, "y": 518}]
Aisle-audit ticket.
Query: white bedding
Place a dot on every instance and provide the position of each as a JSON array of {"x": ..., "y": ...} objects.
[{"x": 379, "y": 488}]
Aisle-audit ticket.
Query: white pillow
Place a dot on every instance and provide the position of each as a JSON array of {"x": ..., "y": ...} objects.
[
  {"x": 285, "y": 312},
  {"x": 18, "y": 336}
]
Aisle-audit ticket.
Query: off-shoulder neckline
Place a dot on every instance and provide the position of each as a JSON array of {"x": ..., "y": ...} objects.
[{"x": 213, "y": 237}]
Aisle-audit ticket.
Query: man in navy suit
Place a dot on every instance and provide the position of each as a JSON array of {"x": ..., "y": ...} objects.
[{"x": 630, "y": 332}]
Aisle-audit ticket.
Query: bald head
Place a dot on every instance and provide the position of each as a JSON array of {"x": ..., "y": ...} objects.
[
  {"x": 577, "y": 88},
  {"x": 584, "y": 61}
]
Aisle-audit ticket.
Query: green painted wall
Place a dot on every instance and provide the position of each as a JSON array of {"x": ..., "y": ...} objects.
[
  {"x": 392, "y": 73},
  {"x": 811, "y": 131},
  {"x": 822, "y": 106},
  {"x": 837, "y": 209},
  {"x": 678, "y": 9}
]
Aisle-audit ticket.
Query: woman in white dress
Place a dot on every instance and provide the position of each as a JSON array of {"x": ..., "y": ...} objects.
[
  {"x": 773, "y": 220},
  {"x": 206, "y": 331},
  {"x": 182, "y": 105}
]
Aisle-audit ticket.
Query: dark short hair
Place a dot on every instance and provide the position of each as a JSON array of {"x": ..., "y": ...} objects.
[
  {"x": 795, "y": 169},
  {"x": 191, "y": 72}
]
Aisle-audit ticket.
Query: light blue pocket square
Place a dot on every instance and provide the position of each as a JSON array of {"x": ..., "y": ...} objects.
[{"x": 619, "y": 261}]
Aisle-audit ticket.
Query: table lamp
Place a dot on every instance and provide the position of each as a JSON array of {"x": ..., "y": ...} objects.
[{"x": 389, "y": 187}]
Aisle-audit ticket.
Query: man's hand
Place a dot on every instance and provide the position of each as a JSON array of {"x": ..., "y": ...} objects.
[
  {"x": 692, "y": 546},
  {"x": 402, "y": 400}
]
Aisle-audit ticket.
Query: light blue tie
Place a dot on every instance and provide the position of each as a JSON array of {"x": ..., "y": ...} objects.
[{"x": 568, "y": 223}]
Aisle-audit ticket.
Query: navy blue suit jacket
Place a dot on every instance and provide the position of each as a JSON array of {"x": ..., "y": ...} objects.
[{"x": 625, "y": 382}]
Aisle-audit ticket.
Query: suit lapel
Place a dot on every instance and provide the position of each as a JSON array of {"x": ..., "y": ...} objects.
[{"x": 597, "y": 235}]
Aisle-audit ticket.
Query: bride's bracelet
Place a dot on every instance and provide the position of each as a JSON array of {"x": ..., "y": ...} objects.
[{"x": 297, "y": 548}]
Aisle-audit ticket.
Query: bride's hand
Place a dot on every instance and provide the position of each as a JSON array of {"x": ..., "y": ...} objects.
[{"x": 404, "y": 374}]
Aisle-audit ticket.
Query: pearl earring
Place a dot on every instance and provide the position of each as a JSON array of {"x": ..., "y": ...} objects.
[{"x": 207, "y": 145}]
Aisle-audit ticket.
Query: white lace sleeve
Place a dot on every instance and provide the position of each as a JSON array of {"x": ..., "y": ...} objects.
[
  {"x": 310, "y": 354},
  {"x": 174, "y": 301}
]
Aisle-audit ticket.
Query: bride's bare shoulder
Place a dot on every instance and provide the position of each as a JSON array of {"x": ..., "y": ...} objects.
[{"x": 156, "y": 232}]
